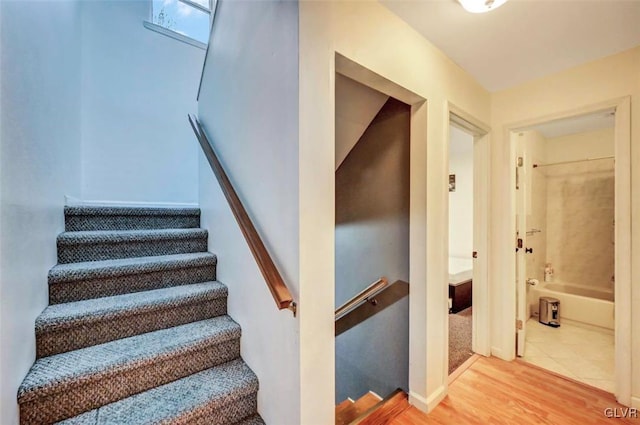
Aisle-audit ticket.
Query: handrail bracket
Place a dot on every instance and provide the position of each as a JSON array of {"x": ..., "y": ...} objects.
[{"x": 293, "y": 307}]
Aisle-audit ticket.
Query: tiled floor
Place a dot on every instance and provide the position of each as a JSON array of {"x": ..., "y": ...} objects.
[{"x": 582, "y": 353}]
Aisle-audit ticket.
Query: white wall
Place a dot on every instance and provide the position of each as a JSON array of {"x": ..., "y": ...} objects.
[
  {"x": 40, "y": 151},
  {"x": 249, "y": 107},
  {"x": 567, "y": 92},
  {"x": 461, "y": 201},
  {"x": 590, "y": 144},
  {"x": 137, "y": 88},
  {"x": 404, "y": 65}
]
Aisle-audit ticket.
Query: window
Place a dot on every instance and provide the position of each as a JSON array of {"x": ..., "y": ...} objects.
[{"x": 185, "y": 20}]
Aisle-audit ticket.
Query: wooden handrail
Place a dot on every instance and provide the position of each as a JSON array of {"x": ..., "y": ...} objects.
[
  {"x": 269, "y": 271},
  {"x": 361, "y": 297},
  {"x": 377, "y": 299}
]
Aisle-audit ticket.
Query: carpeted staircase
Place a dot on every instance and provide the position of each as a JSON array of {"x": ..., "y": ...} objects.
[{"x": 137, "y": 330}]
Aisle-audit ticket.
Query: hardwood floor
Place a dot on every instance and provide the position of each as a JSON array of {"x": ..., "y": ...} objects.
[
  {"x": 391, "y": 407},
  {"x": 348, "y": 411},
  {"x": 492, "y": 391}
]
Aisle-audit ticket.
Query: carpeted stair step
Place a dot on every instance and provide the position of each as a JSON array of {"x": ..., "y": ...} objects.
[
  {"x": 216, "y": 396},
  {"x": 67, "y": 384},
  {"x": 70, "y": 326},
  {"x": 254, "y": 420},
  {"x": 94, "y": 279},
  {"x": 85, "y": 218},
  {"x": 98, "y": 245}
]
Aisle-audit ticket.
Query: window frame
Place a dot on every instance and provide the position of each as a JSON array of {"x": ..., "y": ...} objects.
[{"x": 149, "y": 24}]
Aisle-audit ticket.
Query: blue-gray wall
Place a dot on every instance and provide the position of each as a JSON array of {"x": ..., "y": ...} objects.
[{"x": 372, "y": 240}]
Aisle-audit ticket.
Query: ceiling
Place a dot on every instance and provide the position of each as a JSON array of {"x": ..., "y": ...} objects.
[{"x": 524, "y": 39}]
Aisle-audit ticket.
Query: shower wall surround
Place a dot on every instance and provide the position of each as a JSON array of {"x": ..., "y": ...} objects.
[
  {"x": 580, "y": 214},
  {"x": 580, "y": 209}
]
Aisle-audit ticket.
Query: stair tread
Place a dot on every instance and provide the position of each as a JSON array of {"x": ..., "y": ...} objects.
[
  {"x": 368, "y": 400},
  {"x": 51, "y": 373},
  {"x": 131, "y": 211},
  {"x": 197, "y": 394},
  {"x": 114, "y": 236},
  {"x": 349, "y": 412},
  {"x": 342, "y": 406},
  {"x": 124, "y": 266},
  {"x": 60, "y": 316},
  {"x": 385, "y": 411}
]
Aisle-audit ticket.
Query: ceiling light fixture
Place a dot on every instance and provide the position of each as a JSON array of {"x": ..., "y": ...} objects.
[{"x": 481, "y": 6}]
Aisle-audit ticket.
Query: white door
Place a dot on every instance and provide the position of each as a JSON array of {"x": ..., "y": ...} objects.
[
  {"x": 521, "y": 244},
  {"x": 480, "y": 323}
]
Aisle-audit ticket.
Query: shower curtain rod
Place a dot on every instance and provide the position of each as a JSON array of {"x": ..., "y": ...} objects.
[{"x": 571, "y": 162}]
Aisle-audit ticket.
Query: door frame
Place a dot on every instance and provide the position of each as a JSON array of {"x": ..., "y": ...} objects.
[
  {"x": 427, "y": 302},
  {"x": 622, "y": 329},
  {"x": 481, "y": 342}
]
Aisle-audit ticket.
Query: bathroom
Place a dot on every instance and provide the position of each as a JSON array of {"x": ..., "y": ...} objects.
[{"x": 566, "y": 202}]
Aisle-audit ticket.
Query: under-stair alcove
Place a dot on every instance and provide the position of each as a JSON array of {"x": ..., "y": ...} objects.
[{"x": 371, "y": 241}]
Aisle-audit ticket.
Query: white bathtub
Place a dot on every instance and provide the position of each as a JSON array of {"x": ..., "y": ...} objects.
[{"x": 580, "y": 303}]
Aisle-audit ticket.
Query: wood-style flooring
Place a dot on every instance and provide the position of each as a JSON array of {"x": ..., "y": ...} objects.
[
  {"x": 496, "y": 392},
  {"x": 349, "y": 410}
]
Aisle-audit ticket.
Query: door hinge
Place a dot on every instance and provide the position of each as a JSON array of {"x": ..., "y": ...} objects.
[{"x": 519, "y": 324}]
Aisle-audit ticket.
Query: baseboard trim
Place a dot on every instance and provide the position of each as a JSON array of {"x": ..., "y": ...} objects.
[
  {"x": 428, "y": 404},
  {"x": 635, "y": 402},
  {"x": 436, "y": 397},
  {"x": 418, "y": 401},
  {"x": 71, "y": 201}
]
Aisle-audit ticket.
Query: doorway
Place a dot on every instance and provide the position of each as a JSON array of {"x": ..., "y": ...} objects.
[
  {"x": 572, "y": 227},
  {"x": 372, "y": 136},
  {"x": 460, "y": 283},
  {"x": 468, "y": 248}
]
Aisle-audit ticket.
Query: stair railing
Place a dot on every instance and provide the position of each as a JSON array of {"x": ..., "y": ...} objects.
[
  {"x": 275, "y": 283},
  {"x": 361, "y": 297},
  {"x": 371, "y": 300}
]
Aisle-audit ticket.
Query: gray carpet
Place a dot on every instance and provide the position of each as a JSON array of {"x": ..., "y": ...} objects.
[
  {"x": 120, "y": 218},
  {"x": 136, "y": 331},
  {"x": 99, "y": 245},
  {"x": 70, "y": 326},
  {"x": 459, "y": 338},
  {"x": 197, "y": 396},
  {"x": 95, "y": 279}
]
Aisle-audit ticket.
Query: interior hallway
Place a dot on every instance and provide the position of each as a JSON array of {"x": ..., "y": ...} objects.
[{"x": 493, "y": 391}]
